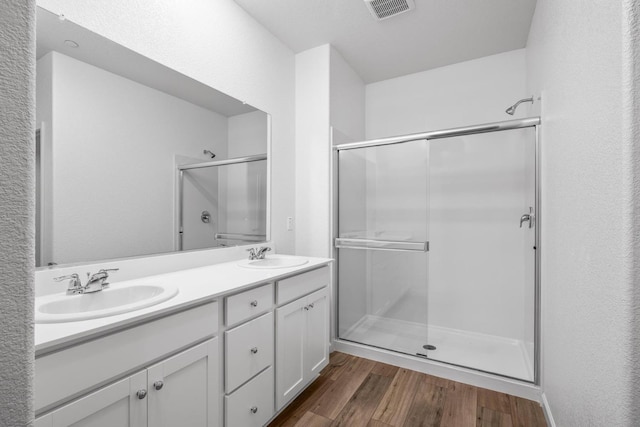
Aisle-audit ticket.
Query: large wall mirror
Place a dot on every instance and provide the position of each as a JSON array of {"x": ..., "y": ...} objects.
[{"x": 134, "y": 158}]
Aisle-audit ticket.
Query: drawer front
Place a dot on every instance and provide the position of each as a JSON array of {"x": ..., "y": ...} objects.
[
  {"x": 248, "y": 350},
  {"x": 247, "y": 304},
  {"x": 302, "y": 284},
  {"x": 252, "y": 404},
  {"x": 69, "y": 372}
]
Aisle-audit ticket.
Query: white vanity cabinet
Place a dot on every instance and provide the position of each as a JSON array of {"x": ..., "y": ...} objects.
[
  {"x": 302, "y": 333},
  {"x": 211, "y": 365},
  {"x": 114, "y": 405},
  {"x": 175, "y": 392},
  {"x": 181, "y": 389}
]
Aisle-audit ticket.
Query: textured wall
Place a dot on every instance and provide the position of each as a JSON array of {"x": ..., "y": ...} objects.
[
  {"x": 631, "y": 170},
  {"x": 574, "y": 61},
  {"x": 17, "y": 114},
  {"x": 219, "y": 44}
]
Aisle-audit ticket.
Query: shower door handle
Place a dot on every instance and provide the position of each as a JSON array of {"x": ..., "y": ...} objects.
[{"x": 527, "y": 217}]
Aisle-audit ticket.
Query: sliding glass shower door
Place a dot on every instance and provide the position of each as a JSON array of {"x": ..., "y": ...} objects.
[
  {"x": 383, "y": 259},
  {"x": 437, "y": 247},
  {"x": 482, "y": 234}
]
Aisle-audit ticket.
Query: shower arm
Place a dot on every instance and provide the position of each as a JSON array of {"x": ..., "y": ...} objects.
[{"x": 512, "y": 109}]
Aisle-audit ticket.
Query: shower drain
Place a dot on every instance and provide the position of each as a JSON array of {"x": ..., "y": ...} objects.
[{"x": 429, "y": 347}]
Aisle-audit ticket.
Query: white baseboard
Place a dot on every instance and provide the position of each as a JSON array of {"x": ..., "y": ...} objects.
[
  {"x": 439, "y": 369},
  {"x": 547, "y": 410}
]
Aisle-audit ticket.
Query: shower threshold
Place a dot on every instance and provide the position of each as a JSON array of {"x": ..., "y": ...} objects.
[{"x": 488, "y": 353}]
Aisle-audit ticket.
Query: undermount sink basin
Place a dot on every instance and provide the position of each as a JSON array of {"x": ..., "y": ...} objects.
[
  {"x": 274, "y": 261},
  {"x": 108, "y": 302}
]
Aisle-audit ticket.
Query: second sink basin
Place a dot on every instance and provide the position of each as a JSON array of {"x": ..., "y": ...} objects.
[
  {"x": 274, "y": 261},
  {"x": 111, "y": 301}
]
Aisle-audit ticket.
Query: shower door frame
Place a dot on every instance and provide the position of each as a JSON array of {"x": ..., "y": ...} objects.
[
  {"x": 216, "y": 163},
  {"x": 531, "y": 122}
]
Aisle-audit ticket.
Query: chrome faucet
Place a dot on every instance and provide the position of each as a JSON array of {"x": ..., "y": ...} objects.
[
  {"x": 75, "y": 285},
  {"x": 95, "y": 282},
  {"x": 258, "y": 253}
]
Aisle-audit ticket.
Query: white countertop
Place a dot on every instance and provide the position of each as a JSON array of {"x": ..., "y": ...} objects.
[{"x": 196, "y": 286}]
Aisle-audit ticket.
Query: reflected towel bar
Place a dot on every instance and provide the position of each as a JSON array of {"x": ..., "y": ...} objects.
[{"x": 242, "y": 237}]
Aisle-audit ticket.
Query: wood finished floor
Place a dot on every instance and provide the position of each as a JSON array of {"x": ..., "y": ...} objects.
[{"x": 353, "y": 392}]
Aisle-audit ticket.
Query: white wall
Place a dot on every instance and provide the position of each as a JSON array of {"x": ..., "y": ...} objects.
[
  {"x": 247, "y": 134},
  {"x": 471, "y": 92},
  {"x": 17, "y": 124},
  {"x": 574, "y": 60},
  {"x": 329, "y": 93},
  {"x": 220, "y": 45},
  {"x": 313, "y": 152},
  {"x": 347, "y": 96},
  {"x": 113, "y": 164}
]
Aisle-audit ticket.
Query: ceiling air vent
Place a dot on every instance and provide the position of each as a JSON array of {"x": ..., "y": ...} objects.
[{"x": 383, "y": 9}]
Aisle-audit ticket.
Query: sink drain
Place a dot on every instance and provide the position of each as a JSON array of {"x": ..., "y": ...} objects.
[{"x": 429, "y": 347}]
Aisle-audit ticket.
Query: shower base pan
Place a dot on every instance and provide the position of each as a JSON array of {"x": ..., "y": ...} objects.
[{"x": 488, "y": 353}]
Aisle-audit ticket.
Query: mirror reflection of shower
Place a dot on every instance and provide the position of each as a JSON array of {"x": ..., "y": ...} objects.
[{"x": 222, "y": 203}]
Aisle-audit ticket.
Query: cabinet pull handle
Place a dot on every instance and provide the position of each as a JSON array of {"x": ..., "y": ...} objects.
[
  {"x": 141, "y": 394},
  {"x": 158, "y": 385},
  {"x": 254, "y": 350},
  {"x": 254, "y": 409},
  {"x": 254, "y": 303},
  {"x": 310, "y": 305}
]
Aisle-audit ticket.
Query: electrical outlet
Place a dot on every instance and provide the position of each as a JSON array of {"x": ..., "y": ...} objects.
[{"x": 289, "y": 223}]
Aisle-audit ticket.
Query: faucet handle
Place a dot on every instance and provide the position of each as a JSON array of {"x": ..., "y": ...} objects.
[
  {"x": 73, "y": 276},
  {"x": 252, "y": 253},
  {"x": 75, "y": 285},
  {"x": 107, "y": 270}
]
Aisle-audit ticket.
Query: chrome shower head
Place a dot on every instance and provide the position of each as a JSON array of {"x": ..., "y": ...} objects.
[
  {"x": 511, "y": 110},
  {"x": 210, "y": 153}
]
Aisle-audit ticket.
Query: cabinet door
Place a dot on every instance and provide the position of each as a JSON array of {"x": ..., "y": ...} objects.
[
  {"x": 317, "y": 334},
  {"x": 183, "y": 389},
  {"x": 114, "y": 405},
  {"x": 290, "y": 349}
]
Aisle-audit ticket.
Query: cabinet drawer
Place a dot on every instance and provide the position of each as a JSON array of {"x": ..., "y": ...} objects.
[
  {"x": 248, "y": 304},
  {"x": 252, "y": 404},
  {"x": 302, "y": 284},
  {"x": 248, "y": 350}
]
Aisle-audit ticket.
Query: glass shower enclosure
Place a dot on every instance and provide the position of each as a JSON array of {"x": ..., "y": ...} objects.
[{"x": 437, "y": 246}]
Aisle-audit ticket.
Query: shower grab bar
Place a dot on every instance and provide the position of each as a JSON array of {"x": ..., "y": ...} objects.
[
  {"x": 384, "y": 245},
  {"x": 242, "y": 237}
]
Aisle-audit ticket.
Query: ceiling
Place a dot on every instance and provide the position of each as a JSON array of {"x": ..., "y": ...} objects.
[{"x": 436, "y": 33}]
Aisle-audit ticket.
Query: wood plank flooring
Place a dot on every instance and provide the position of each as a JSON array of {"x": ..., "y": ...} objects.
[{"x": 353, "y": 392}]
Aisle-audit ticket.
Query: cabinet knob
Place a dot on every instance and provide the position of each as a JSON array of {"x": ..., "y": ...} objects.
[
  {"x": 254, "y": 303},
  {"x": 306, "y": 308},
  {"x": 311, "y": 305},
  {"x": 141, "y": 394},
  {"x": 254, "y": 409},
  {"x": 254, "y": 350},
  {"x": 158, "y": 385}
]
